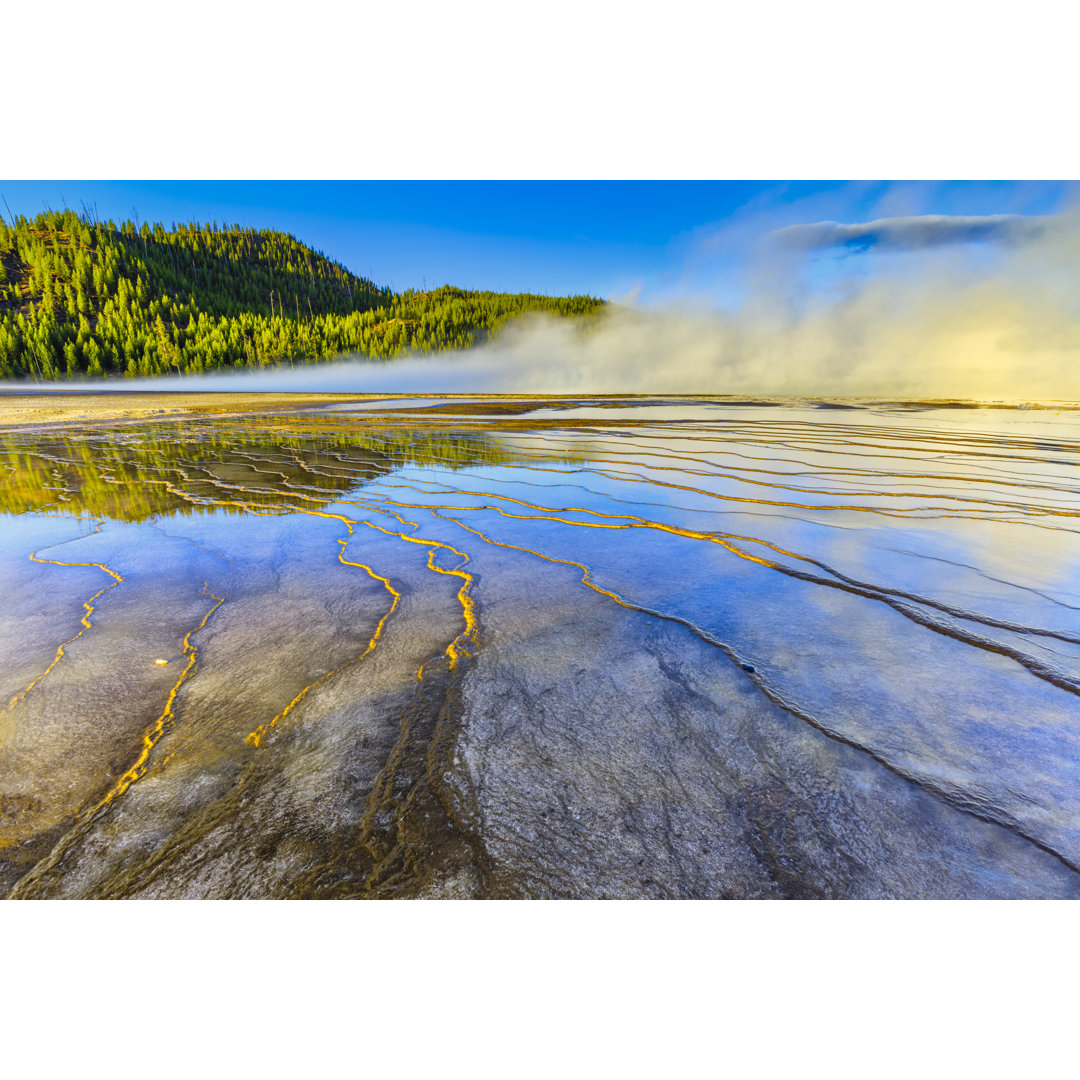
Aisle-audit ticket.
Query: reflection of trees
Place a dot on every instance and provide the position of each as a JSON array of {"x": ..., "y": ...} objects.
[{"x": 131, "y": 475}]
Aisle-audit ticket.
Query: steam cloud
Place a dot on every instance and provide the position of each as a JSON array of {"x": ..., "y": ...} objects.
[{"x": 942, "y": 325}]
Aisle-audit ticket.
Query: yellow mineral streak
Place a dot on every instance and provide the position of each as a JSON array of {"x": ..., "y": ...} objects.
[
  {"x": 256, "y": 737},
  {"x": 151, "y": 736},
  {"x": 88, "y": 605},
  {"x": 456, "y": 650}
]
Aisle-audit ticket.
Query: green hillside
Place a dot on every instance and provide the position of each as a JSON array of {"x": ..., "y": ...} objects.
[{"x": 83, "y": 297}]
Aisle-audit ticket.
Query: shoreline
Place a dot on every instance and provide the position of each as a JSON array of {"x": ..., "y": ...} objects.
[
  {"x": 54, "y": 408},
  {"x": 24, "y": 409}
]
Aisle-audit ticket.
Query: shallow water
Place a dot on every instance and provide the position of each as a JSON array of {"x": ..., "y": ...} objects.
[{"x": 671, "y": 649}]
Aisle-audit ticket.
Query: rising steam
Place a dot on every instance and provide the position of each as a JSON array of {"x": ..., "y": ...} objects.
[{"x": 940, "y": 308}]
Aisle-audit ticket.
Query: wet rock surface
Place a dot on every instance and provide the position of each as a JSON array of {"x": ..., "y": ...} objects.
[
  {"x": 611, "y": 760},
  {"x": 678, "y": 650}
]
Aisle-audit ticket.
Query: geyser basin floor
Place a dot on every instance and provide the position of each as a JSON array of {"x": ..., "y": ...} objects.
[{"x": 555, "y": 649}]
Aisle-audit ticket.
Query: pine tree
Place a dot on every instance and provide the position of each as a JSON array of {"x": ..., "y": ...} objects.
[{"x": 220, "y": 298}]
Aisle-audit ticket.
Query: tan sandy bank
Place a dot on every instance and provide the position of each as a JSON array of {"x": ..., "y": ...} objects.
[
  {"x": 45, "y": 408},
  {"x": 49, "y": 408},
  {"x": 52, "y": 408}
]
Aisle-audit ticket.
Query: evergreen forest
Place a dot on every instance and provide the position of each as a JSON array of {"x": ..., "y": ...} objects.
[{"x": 83, "y": 297}]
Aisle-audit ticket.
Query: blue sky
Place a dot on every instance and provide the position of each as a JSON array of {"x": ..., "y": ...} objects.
[{"x": 655, "y": 241}]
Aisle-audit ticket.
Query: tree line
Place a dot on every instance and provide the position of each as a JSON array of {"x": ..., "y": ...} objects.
[{"x": 81, "y": 297}]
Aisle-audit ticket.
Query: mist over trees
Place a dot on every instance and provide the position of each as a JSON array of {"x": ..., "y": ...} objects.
[{"x": 83, "y": 297}]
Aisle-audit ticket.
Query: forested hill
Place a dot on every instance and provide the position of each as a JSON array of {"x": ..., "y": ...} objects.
[{"x": 80, "y": 296}]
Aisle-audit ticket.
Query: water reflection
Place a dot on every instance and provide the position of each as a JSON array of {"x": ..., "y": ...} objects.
[
  {"x": 503, "y": 650},
  {"x": 137, "y": 475}
]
